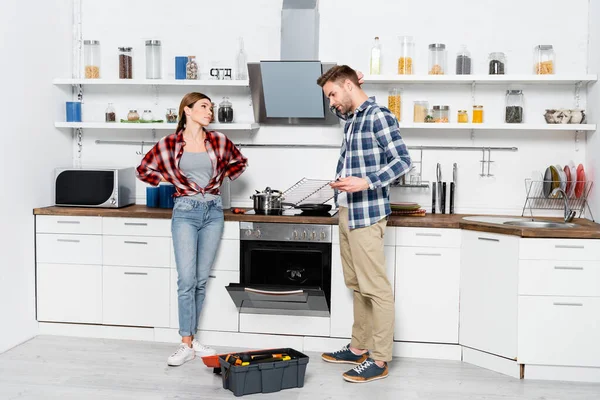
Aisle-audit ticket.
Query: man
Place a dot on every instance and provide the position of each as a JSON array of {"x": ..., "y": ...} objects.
[{"x": 372, "y": 156}]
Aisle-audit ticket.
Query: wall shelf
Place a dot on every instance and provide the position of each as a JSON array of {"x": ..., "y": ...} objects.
[
  {"x": 500, "y": 126},
  {"x": 151, "y": 82},
  {"x": 158, "y": 126},
  {"x": 482, "y": 79}
]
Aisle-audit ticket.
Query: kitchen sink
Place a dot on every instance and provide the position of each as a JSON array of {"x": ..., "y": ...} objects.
[{"x": 539, "y": 224}]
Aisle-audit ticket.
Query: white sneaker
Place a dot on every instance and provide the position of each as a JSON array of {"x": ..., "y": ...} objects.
[
  {"x": 202, "y": 350},
  {"x": 183, "y": 354}
]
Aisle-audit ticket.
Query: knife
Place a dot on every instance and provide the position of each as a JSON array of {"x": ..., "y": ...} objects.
[
  {"x": 452, "y": 188},
  {"x": 433, "y": 196},
  {"x": 438, "y": 174}
]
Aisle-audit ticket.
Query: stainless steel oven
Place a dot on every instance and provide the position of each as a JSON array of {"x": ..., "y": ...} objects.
[{"x": 284, "y": 269}]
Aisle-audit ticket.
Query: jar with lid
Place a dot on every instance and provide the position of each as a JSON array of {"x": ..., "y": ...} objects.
[
  {"x": 133, "y": 115},
  {"x": 544, "y": 59},
  {"x": 91, "y": 53},
  {"x": 395, "y": 103},
  {"x": 225, "y": 111},
  {"x": 421, "y": 108},
  {"x": 514, "y": 107},
  {"x": 441, "y": 114},
  {"x": 437, "y": 59},
  {"x": 463, "y": 61},
  {"x": 497, "y": 63},
  {"x": 407, "y": 55},
  {"x": 171, "y": 116},
  {"x": 191, "y": 68},
  {"x": 125, "y": 63},
  {"x": 147, "y": 116},
  {"x": 462, "y": 117},
  {"x": 153, "y": 59},
  {"x": 477, "y": 114},
  {"x": 109, "y": 114}
]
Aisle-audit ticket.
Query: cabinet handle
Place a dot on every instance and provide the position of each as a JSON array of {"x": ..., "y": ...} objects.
[
  {"x": 136, "y": 224},
  {"x": 135, "y": 273},
  {"x": 569, "y": 268},
  {"x": 567, "y": 246},
  {"x": 134, "y": 242},
  {"x": 569, "y": 304},
  {"x": 428, "y": 254},
  {"x": 68, "y": 240},
  {"x": 488, "y": 239},
  {"x": 212, "y": 276},
  {"x": 429, "y": 234},
  {"x": 68, "y": 222}
]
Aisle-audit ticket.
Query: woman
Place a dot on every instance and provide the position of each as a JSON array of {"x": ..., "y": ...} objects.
[{"x": 195, "y": 161}]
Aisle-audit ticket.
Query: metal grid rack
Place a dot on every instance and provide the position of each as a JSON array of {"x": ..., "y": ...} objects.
[
  {"x": 536, "y": 200},
  {"x": 309, "y": 191}
]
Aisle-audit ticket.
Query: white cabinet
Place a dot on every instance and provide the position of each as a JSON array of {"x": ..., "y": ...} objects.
[
  {"x": 488, "y": 293},
  {"x": 228, "y": 256},
  {"x": 559, "y": 278},
  {"x": 68, "y": 249},
  {"x": 136, "y": 226},
  {"x": 69, "y": 293},
  {"x": 428, "y": 237},
  {"x": 67, "y": 224},
  {"x": 136, "y": 251}
]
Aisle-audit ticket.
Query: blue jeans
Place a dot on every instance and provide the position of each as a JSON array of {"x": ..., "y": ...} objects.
[{"x": 197, "y": 228}]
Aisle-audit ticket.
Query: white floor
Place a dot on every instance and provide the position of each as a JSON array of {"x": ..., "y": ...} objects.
[{"x": 53, "y": 367}]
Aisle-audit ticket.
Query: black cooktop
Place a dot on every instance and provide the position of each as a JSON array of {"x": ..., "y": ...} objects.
[{"x": 289, "y": 212}]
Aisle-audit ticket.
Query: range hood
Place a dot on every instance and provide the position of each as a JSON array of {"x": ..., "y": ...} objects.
[{"x": 285, "y": 92}]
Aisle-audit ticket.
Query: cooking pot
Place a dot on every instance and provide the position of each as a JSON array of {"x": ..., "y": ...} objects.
[{"x": 268, "y": 202}]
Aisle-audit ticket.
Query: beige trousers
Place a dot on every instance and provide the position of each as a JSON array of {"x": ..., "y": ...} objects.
[{"x": 363, "y": 262}]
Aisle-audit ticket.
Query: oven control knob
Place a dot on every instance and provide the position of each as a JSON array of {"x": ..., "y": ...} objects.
[
  {"x": 304, "y": 234},
  {"x": 295, "y": 235},
  {"x": 323, "y": 235},
  {"x": 313, "y": 235},
  {"x": 257, "y": 233},
  {"x": 248, "y": 232}
]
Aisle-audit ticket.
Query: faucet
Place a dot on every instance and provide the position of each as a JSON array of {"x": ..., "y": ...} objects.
[{"x": 569, "y": 213}]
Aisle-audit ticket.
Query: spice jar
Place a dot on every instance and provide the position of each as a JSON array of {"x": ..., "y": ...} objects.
[
  {"x": 437, "y": 59},
  {"x": 191, "y": 68},
  {"x": 514, "y": 107},
  {"x": 407, "y": 51},
  {"x": 463, "y": 61},
  {"x": 462, "y": 117},
  {"x": 420, "y": 111},
  {"x": 147, "y": 116},
  {"x": 214, "y": 111},
  {"x": 153, "y": 59},
  {"x": 125, "y": 63},
  {"x": 429, "y": 117},
  {"x": 477, "y": 114},
  {"x": 171, "y": 116},
  {"x": 225, "y": 111},
  {"x": 544, "y": 59},
  {"x": 133, "y": 115},
  {"x": 497, "y": 63},
  {"x": 394, "y": 102},
  {"x": 91, "y": 50},
  {"x": 441, "y": 114},
  {"x": 109, "y": 114}
]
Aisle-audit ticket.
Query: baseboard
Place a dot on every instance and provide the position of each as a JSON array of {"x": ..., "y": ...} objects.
[
  {"x": 97, "y": 331},
  {"x": 491, "y": 362},
  {"x": 559, "y": 373}
]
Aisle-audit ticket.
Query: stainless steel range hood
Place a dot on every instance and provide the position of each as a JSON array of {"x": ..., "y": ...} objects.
[{"x": 285, "y": 91}]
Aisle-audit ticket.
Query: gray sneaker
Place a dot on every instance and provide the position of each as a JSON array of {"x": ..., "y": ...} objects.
[{"x": 183, "y": 354}]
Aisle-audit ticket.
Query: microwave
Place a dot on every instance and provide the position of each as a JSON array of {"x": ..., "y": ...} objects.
[{"x": 97, "y": 187}]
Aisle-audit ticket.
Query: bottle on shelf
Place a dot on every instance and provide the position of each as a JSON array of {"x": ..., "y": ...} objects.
[
  {"x": 375, "y": 62},
  {"x": 109, "y": 114},
  {"x": 241, "y": 62}
]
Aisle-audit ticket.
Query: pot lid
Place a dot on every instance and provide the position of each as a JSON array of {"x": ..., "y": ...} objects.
[{"x": 268, "y": 192}]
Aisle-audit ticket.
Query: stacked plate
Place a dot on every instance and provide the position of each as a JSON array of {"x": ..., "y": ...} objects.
[
  {"x": 569, "y": 178},
  {"x": 408, "y": 209}
]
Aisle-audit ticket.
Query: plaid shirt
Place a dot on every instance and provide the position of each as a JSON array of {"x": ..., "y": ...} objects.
[
  {"x": 372, "y": 149},
  {"x": 162, "y": 161}
]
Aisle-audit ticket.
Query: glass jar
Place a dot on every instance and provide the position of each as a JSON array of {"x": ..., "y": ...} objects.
[
  {"x": 125, "y": 63},
  {"x": 544, "y": 59},
  {"x": 463, "y": 61},
  {"x": 514, "y": 107},
  {"x": 147, "y": 116},
  {"x": 153, "y": 59},
  {"x": 225, "y": 111},
  {"x": 91, "y": 53},
  {"x": 407, "y": 55},
  {"x": 421, "y": 109},
  {"x": 477, "y": 114},
  {"x": 214, "y": 111},
  {"x": 395, "y": 103},
  {"x": 171, "y": 115},
  {"x": 441, "y": 114},
  {"x": 462, "y": 117},
  {"x": 133, "y": 115},
  {"x": 497, "y": 63},
  {"x": 375, "y": 62},
  {"x": 437, "y": 59},
  {"x": 109, "y": 114},
  {"x": 191, "y": 68}
]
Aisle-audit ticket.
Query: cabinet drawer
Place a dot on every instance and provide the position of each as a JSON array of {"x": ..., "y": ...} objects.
[
  {"x": 69, "y": 293},
  {"x": 231, "y": 230},
  {"x": 559, "y": 331},
  {"x": 388, "y": 240},
  {"x": 428, "y": 237},
  {"x": 559, "y": 249},
  {"x": 60, "y": 224},
  {"x": 68, "y": 249},
  {"x": 559, "y": 278},
  {"x": 136, "y": 226},
  {"x": 135, "y": 296},
  {"x": 136, "y": 251}
]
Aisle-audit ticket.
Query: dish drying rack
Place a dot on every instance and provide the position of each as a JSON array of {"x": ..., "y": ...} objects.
[
  {"x": 309, "y": 191},
  {"x": 537, "y": 201}
]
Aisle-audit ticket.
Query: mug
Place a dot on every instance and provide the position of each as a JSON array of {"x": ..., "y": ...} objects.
[
  {"x": 152, "y": 197},
  {"x": 73, "y": 111},
  {"x": 166, "y": 195}
]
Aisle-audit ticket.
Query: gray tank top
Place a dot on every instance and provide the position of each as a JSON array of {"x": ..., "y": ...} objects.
[{"x": 197, "y": 168}]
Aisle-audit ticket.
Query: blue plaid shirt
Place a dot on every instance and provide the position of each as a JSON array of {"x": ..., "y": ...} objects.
[{"x": 373, "y": 150}]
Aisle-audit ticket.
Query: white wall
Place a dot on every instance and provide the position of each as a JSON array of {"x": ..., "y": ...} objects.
[
  {"x": 35, "y": 47},
  {"x": 209, "y": 30},
  {"x": 593, "y": 141}
]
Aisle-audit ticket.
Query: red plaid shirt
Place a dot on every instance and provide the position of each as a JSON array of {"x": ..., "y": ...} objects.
[{"x": 162, "y": 161}]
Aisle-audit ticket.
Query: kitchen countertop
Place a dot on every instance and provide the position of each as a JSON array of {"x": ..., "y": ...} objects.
[{"x": 586, "y": 230}]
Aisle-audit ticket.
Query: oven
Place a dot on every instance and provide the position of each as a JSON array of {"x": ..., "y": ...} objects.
[{"x": 285, "y": 269}]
